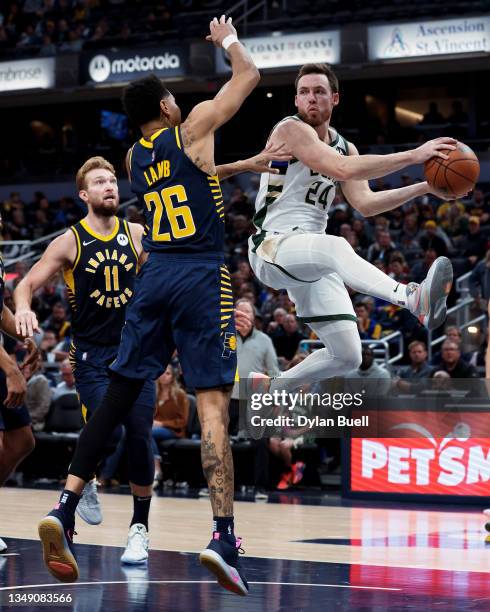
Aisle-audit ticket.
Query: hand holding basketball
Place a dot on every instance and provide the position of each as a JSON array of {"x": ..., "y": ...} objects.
[{"x": 454, "y": 176}]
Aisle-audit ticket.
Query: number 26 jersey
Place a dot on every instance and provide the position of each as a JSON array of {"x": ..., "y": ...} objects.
[{"x": 183, "y": 205}]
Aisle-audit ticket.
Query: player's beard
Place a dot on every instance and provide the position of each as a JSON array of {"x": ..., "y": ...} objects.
[
  {"x": 316, "y": 121},
  {"x": 104, "y": 208}
]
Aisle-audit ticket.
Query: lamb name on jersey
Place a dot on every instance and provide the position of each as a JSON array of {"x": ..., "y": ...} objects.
[{"x": 297, "y": 197}]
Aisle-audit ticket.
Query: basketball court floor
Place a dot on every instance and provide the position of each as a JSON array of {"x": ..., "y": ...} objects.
[{"x": 302, "y": 553}]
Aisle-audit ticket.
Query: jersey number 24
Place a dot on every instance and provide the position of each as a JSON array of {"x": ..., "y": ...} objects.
[{"x": 179, "y": 217}]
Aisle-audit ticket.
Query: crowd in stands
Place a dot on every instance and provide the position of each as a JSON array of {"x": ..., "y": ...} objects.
[{"x": 403, "y": 243}]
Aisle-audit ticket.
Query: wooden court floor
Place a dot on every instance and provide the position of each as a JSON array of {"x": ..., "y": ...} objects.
[{"x": 310, "y": 556}]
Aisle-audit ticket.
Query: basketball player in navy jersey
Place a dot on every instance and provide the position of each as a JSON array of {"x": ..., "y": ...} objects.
[
  {"x": 16, "y": 438},
  {"x": 99, "y": 257},
  {"x": 182, "y": 300}
]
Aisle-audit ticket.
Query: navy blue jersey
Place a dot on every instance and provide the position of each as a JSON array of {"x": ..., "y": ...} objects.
[
  {"x": 100, "y": 283},
  {"x": 183, "y": 205}
]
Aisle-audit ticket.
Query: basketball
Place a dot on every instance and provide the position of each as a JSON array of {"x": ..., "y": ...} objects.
[{"x": 456, "y": 175}]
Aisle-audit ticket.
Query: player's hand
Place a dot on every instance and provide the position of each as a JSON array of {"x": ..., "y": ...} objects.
[
  {"x": 26, "y": 322},
  {"x": 16, "y": 387},
  {"x": 243, "y": 323},
  {"x": 272, "y": 152},
  {"x": 443, "y": 194},
  {"x": 219, "y": 30},
  {"x": 33, "y": 357},
  {"x": 439, "y": 147}
]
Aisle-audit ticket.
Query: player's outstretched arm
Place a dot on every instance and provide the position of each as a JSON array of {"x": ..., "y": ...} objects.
[
  {"x": 314, "y": 153},
  {"x": 370, "y": 203},
  {"x": 258, "y": 163},
  {"x": 60, "y": 254},
  {"x": 210, "y": 115}
]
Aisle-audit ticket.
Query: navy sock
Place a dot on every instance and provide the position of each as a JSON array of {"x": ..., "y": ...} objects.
[
  {"x": 67, "y": 505},
  {"x": 223, "y": 525},
  {"x": 141, "y": 510}
]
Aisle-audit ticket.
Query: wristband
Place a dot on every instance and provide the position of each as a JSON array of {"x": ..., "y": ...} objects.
[{"x": 229, "y": 40}]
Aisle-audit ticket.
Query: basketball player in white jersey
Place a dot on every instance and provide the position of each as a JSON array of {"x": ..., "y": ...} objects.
[{"x": 290, "y": 249}]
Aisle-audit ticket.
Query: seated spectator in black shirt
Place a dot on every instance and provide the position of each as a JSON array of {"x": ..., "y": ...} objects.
[
  {"x": 475, "y": 242},
  {"x": 382, "y": 248},
  {"x": 421, "y": 267},
  {"x": 58, "y": 321},
  {"x": 286, "y": 338},
  {"x": 453, "y": 334},
  {"x": 433, "y": 116},
  {"x": 429, "y": 239},
  {"x": 453, "y": 364},
  {"x": 419, "y": 367}
]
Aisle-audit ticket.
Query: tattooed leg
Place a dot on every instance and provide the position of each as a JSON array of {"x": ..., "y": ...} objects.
[{"x": 216, "y": 457}]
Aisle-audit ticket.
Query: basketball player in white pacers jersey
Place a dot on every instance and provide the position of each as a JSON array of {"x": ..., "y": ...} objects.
[{"x": 290, "y": 249}]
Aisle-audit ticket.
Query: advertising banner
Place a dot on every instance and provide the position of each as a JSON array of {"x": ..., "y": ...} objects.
[
  {"x": 428, "y": 38},
  {"x": 112, "y": 66},
  {"x": 27, "y": 74},
  {"x": 288, "y": 50}
]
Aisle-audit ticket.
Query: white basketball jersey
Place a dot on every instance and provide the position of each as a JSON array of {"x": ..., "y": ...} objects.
[{"x": 297, "y": 197}]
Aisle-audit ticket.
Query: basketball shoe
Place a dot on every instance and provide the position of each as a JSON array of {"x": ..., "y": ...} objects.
[
  {"x": 220, "y": 557},
  {"x": 89, "y": 508},
  {"x": 57, "y": 540}
]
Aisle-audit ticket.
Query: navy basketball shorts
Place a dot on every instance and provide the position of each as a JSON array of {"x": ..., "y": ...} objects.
[
  {"x": 182, "y": 302},
  {"x": 90, "y": 366},
  {"x": 11, "y": 418}
]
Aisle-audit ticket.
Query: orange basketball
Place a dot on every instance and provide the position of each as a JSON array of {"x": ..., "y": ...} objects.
[{"x": 456, "y": 175}]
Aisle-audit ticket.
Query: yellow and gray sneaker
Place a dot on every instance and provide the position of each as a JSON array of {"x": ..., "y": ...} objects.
[{"x": 57, "y": 541}]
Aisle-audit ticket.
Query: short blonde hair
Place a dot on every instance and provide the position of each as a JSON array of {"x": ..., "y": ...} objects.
[{"x": 94, "y": 163}]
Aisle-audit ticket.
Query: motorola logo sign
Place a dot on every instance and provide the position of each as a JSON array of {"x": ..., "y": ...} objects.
[{"x": 101, "y": 68}]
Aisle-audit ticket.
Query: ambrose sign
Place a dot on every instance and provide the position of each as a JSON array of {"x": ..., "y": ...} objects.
[
  {"x": 27, "y": 74},
  {"x": 427, "y": 38}
]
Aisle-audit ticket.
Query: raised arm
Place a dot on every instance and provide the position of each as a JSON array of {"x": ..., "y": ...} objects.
[
  {"x": 60, "y": 254},
  {"x": 208, "y": 116},
  {"x": 305, "y": 145},
  {"x": 258, "y": 163}
]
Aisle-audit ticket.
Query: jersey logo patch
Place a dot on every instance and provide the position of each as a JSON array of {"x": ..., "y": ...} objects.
[
  {"x": 229, "y": 345},
  {"x": 86, "y": 243},
  {"x": 122, "y": 239}
]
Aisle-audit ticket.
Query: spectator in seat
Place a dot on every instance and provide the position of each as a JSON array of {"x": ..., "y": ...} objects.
[
  {"x": 453, "y": 364},
  {"x": 368, "y": 328},
  {"x": 453, "y": 334},
  {"x": 58, "y": 321},
  {"x": 67, "y": 384},
  {"x": 475, "y": 243},
  {"x": 286, "y": 340},
  {"x": 433, "y": 116},
  {"x": 171, "y": 414},
  {"x": 38, "y": 397},
  {"x": 429, "y": 239},
  {"x": 419, "y": 366},
  {"x": 421, "y": 267},
  {"x": 376, "y": 381},
  {"x": 479, "y": 281},
  {"x": 382, "y": 248}
]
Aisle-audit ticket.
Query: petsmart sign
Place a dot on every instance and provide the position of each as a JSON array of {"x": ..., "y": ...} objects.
[
  {"x": 427, "y": 38},
  {"x": 288, "y": 50},
  {"x": 111, "y": 66}
]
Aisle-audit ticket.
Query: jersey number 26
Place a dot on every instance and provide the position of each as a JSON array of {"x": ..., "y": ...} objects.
[{"x": 179, "y": 217}]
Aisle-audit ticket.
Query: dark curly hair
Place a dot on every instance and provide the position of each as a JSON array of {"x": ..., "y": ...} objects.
[{"x": 141, "y": 99}]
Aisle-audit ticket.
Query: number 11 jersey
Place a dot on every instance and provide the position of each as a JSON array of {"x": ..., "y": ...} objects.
[{"x": 183, "y": 205}]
